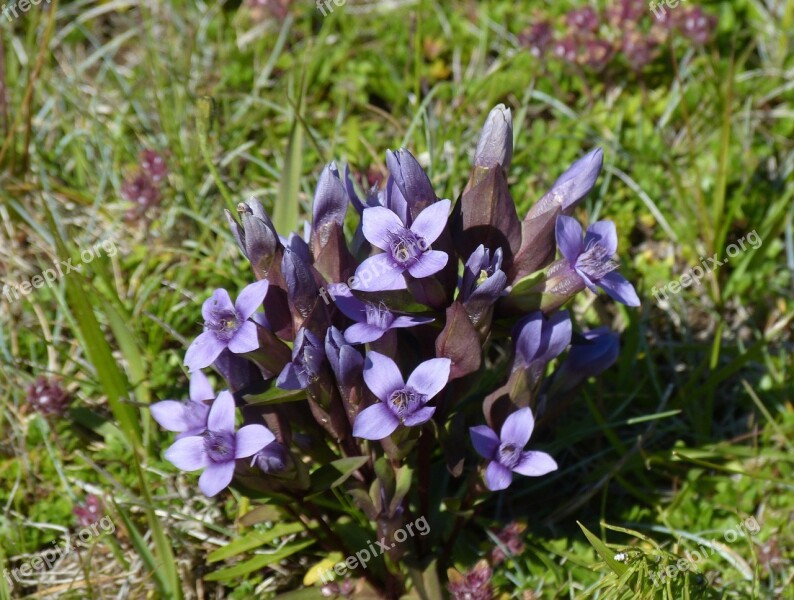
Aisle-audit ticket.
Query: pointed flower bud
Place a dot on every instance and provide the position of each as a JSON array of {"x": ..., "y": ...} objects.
[
  {"x": 257, "y": 237},
  {"x": 495, "y": 146},
  {"x": 412, "y": 181},
  {"x": 592, "y": 353},
  {"x": 330, "y": 206}
]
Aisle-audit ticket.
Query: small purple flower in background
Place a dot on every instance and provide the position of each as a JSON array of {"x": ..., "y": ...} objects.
[
  {"x": 596, "y": 54},
  {"x": 506, "y": 451},
  {"x": 625, "y": 14},
  {"x": 186, "y": 417},
  {"x": 372, "y": 321},
  {"x": 153, "y": 165},
  {"x": 47, "y": 397},
  {"x": 217, "y": 449},
  {"x": 592, "y": 260},
  {"x": 405, "y": 249},
  {"x": 89, "y": 512},
  {"x": 582, "y": 20},
  {"x": 638, "y": 49},
  {"x": 308, "y": 355},
  {"x": 472, "y": 585},
  {"x": 540, "y": 339},
  {"x": 483, "y": 277},
  {"x": 566, "y": 49},
  {"x": 227, "y": 325},
  {"x": 510, "y": 537},
  {"x": 696, "y": 25},
  {"x": 538, "y": 38},
  {"x": 401, "y": 402}
]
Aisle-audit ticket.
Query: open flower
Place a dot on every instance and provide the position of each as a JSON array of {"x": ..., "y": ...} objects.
[
  {"x": 186, "y": 417},
  {"x": 401, "y": 402},
  {"x": 308, "y": 354},
  {"x": 216, "y": 450},
  {"x": 405, "y": 249},
  {"x": 372, "y": 320},
  {"x": 506, "y": 452},
  {"x": 483, "y": 278},
  {"x": 227, "y": 325},
  {"x": 592, "y": 259}
]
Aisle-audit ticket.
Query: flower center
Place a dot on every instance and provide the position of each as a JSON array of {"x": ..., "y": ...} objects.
[
  {"x": 406, "y": 247},
  {"x": 596, "y": 261},
  {"x": 379, "y": 316},
  {"x": 509, "y": 455},
  {"x": 224, "y": 323},
  {"x": 404, "y": 402},
  {"x": 219, "y": 446}
]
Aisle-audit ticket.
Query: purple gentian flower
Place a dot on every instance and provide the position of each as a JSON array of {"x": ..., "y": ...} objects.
[
  {"x": 405, "y": 249},
  {"x": 217, "y": 449},
  {"x": 346, "y": 362},
  {"x": 591, "y": 353},
  {"x": 188, "y": 417},
  {"x": 540, "y": 339},
  {"x": 271, "y": 459},
  {"x": 592, "y": 260},
  {"x": 227, "y": 325},
  {"x": 506, "y": 452},
  {"x": 483, "y": 277},
  {"x": 372, "y": 320},
  {"x": 308, "y": 355},
  {"x": 401, "y": 402}
]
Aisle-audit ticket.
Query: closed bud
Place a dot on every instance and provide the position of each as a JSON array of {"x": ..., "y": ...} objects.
[{"x": 495, "y": 146}]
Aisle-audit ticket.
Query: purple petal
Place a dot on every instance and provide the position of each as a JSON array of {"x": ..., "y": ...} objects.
[
  {"x": 485, "y": 441},
  {"x": 188, "y": 454},
  {"x": 203, "y": 351},
  {"x": 251, "y": 298},
  {"x": 170, "y": 415},
  {"x": 221, "y": 417},
  {"x": 216, "y": 477},
  {"x": 219, "y": 300},
  {"x": 569, "y": 238},
  {"x": 406, "y": 321},
  {"x": 378, "y": 225},
  {"x": 378, "y": 273},
  {"x": 535, "y": 463},
  {"x": 580, "y": 178},
  {"x": 375, "y": 422},
  {"x": 420, "y": 416},
  {"x": 429, "y": 263},
  {"x": 497, "y": 477},
  {"x": 430, "y": 377},
  {"x": 200, "y": 388},
  {"x": 528, "y": 335},
  {"x": 559, "y": 336},
  {"x": 245, "y": 339},
  {"x": 517, "y": 428},
  {"x": 603, "y": 232},
  {"x": 363, "y": 333},
  {"x": 351, "y": 307},
  {"x": 381, "y": 375},
  {"x": 288, "y": 378},
  {"x": 619, "y": 288},
  {"x": 251, "y": 439},
  {"x": 431, "y": 221}
]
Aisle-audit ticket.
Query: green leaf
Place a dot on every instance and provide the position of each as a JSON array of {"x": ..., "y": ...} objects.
[
  {"x": 253, "y": 540},
  {"x": 259, "y": 561},
  {"x": 335, "y": 473},
  {"x": 275, "y": 395},
  {"x": 604, "y": 552},
  {"x": 259, "y": 515}
]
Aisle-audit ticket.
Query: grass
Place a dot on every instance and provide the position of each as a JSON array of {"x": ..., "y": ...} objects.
[{"x": 687, "y": 436}]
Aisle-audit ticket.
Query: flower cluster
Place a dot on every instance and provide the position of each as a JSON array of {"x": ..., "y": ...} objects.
[
  {"x": 369, "y": 336},
  {"x": 626, "y": 29},
  {"x": 48, "y": 397},
  {"x": 142, "y": 188}
]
